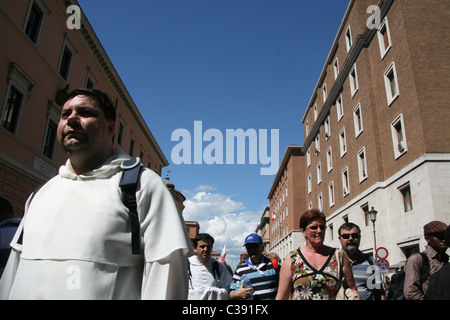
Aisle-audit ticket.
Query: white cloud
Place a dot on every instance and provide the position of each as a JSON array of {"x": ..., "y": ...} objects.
[
  {"x": 223, "y": 218},
  {"x": 205, "y": 187}
]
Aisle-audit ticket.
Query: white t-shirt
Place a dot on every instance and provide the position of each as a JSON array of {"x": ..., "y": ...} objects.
[{"x": 203, "y": 283}]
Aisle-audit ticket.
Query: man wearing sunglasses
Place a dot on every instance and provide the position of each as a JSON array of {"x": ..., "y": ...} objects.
[
  {"x": 363, "y": 265},
  {"x": 420, "y": 266}
]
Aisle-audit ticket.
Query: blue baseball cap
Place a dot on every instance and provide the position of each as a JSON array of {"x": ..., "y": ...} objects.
[{"x": 253, "y": 238}]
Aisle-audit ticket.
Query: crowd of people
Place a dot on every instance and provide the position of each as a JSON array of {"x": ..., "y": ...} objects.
[
  {"x": 320, "y": 272},
  {"x": 76, "y": 241}
]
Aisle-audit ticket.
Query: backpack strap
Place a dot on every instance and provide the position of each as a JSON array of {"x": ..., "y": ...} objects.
[
  {"x": 128, "y": 185},
  {"x": 425, "y": 272},
  {"x": 216, "y": 270}
]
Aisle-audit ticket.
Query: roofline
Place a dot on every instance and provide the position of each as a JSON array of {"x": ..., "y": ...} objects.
[
  {"x": 286, "y": 157},
  {"x": 116, "y": 82},
  {"x": 330, "y": 55}
]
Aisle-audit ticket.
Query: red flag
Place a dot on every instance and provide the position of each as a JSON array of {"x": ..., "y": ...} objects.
[
  {"x": 223, "y": 254},
  {"x": 273, "y": 216}
]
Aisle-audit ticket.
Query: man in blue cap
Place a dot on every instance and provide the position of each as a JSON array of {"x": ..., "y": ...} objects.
[{"x": 256, "y": 278}]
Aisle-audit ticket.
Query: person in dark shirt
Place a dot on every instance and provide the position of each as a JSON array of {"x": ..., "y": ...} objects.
[{"x": 439, "y": 285}]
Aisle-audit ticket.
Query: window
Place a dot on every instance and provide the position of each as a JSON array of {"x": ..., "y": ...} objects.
[
  {"x": 308, "y": 157},
  {"x": 50, "y": 139},
  {"x": 391, "y": 84},
  {"x": 317, "y": 144},
  {"x": 329, "y": 159},
  {"x": 315, "y": 112},
  {"x": 67, "y": 55},
  {"x": 306, "y": 128},
  {"x": 398, "y": 137},
  {"x": 320, "y": 202},
  {"x": 348, "y": 39},
  {"x": 353, "y": 78},
  {"x": 131, "y": 147},
  {"x": 34, "y": 22},
  {"x": 327, "y": 127},
  {"x": 49, "y": 143},
  {"x": 19, "y": 86},
  {"x": 345, "y": 182},
  {"x": 324, "y": 91},
  {"x": 120, "y": 134},
  {"x": 331, "y": 194},
  {"x": 339, "y": 108},
  {"x": 405, "y": 191},
  {"x": 362, "y": 165},
  {"x": 336, "y": 68},
  {"x": 384, "y": 38},
  {"x": 66, "y": 62},
  {"x": 309, "y": 183},
  {"x": 342, "y": 142},
  {"x": 319, "y": 173},
  {"x": 357, "y": 119},
  {"x": 12, "y": 109}
]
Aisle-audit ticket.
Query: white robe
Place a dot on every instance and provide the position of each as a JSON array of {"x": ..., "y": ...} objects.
[
  {"x": 77, "y": 241},
  {"x": 203, "y": 284}
]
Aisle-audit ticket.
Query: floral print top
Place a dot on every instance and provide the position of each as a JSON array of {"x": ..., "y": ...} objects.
[{"x": 312, "y": 284}]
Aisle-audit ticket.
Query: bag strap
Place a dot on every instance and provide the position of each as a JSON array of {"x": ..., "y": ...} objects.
[
  {"x": 425, "y": 271},
  {"x": 128, "y": 185}
]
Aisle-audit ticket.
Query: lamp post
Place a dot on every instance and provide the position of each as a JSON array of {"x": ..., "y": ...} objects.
[{"x": 373, "y": 217}]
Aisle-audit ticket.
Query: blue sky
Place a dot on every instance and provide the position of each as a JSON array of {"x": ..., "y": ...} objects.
[{"x": 249, "y": 64}]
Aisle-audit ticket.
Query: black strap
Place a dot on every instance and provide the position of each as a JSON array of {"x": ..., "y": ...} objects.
[{"x": 128, "y": 185}]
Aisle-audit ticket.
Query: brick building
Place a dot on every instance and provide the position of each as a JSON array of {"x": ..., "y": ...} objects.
[
  {"x": 376, "y": 128},
  {"x": 41, "y": 59},
  {"x": 287, "y": 202}
]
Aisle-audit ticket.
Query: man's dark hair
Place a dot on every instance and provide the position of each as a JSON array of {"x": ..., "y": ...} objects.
[
  {"x": 203, "y": 236},
  {"x": 102, "y": 99},
  {"x": 348, "y": 226}
]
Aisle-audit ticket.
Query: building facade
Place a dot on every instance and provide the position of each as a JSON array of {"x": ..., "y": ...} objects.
[
  {"x": 287, "y": 203},
  {"x": 263, "y": 229},
  {"x": 376, "y": 128},
  {"x": 41, "y": 60}
]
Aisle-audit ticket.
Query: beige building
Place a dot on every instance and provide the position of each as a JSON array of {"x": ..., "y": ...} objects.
[
  {"x": 287, "y": 203},
  {"x": 42, "y": 58},
  {"x": 377, "y": 128}
]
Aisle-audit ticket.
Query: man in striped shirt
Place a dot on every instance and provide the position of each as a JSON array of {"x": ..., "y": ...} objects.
[
  {"x": 363, "y": 266},
  {"x": 258, "y": 271}
]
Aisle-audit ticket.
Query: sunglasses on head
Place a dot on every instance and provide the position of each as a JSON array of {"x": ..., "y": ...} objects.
[{"x": 346, "y": 236}]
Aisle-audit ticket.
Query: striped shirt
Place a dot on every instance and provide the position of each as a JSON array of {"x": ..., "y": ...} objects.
[
  {"x": 363, "y": 269},
  {"x": 263, "y": 277}
]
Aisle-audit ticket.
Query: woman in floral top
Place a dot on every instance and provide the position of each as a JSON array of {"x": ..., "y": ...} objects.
[{"x": 314, "y": 271}]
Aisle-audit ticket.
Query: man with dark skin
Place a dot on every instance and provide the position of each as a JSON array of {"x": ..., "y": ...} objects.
[{"x": 416, "y": 285}]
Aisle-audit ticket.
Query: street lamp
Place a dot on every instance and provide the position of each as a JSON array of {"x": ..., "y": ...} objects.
[{"x": 373, "y": 217}]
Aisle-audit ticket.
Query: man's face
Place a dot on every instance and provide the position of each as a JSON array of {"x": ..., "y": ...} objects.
[
  {"x": 437, "y": 241},
  {"x": 203, "y": 250},
  {"x": 255, "y": 252},
  {"x": 83, "y": 126},
  {"x": 350, "y": 240}
]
